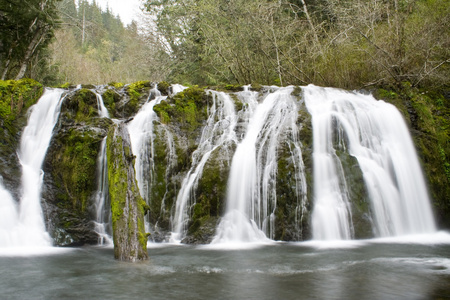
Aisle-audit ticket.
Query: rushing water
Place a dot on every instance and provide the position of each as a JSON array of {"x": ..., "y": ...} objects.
[
  {"x": 25, "y": 222},
  {"x": 375, "y": 134},
  {"x": 363, "y": 270},
  {"x": 218, "y": 132},
  {"x": 251, "y": 199},
  {"x": 103, "y": 222}
]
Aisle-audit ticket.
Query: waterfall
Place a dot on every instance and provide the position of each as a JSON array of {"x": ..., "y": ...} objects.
[
  {"x": 23, "y": 225},
  {"x": 219, "y": 131},
  {"x": 102, "y": 110},
  {"x": 251, "y": 196},
  {"x": 142, "y": 136},
  {"x": 102, "y": 221},
  {"x": 375, "y": 133},
  {"x": 8, "y": 218}
]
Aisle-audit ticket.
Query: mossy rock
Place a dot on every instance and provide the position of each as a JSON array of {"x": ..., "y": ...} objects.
[
  {"x": 110, "y": 99},
  {"x": 127, "y": 206},
  {"x": 16, "y": 97},
  {"x": 210, "y": 195},
  {"x": 81, "y": 106},
  {"x": 163, "y": 87},
  {"x": 187, "y": 109}
]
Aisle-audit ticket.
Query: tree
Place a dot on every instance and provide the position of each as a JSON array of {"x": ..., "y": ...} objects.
[{"x": 26, "y": 28}]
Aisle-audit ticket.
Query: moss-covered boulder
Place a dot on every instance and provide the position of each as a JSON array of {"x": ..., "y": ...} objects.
[
  {"x": 124, "y": 101},
  {"x": 16, "y": 97},
  {"x": 70, "y": 170},
  {"x": 127, "y": 206},
  {"x": 210, "y": 197}
]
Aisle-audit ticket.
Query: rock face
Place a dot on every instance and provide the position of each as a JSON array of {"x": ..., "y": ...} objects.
[
  {"x": 70, "y": 164},
  {"x": 128, "y": 207},
  {"x": 70, "y": 170}
]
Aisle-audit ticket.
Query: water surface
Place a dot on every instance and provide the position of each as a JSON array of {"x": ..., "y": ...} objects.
[{"x": 367, "y": 270}]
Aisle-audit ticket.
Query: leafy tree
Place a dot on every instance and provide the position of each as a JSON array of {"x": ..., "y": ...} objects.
[{"x": 26, "y": 28}]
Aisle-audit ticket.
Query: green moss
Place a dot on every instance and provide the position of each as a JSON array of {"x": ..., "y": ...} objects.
[
  {"x": 187, "y": 108},
  {"x": 110, "y": 98},
  {"x": 82, "y": 106},
  {"x": 117, "y": 85},
  {"x": 65, "y": 85},
  {"x": 117, "y": 177},
  {"x": 15, "y": 99},
  {"x": 211, "y": 191},
  {"x": 163, "y": 87},
  {"x": 74, "y": 157},
  {"x": 238, "y": 105}
]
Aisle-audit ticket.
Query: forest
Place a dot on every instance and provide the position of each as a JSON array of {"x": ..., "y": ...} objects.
[{"x": 345, "y": 44}]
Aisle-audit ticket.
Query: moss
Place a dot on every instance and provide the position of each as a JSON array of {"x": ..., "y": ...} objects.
[
  {"x": 297, "y": 91},
  {"x": 73, "y": 157},
  {"x": 135, "y": 92},
  {"x": 117, "y": 85},
  {"x": 65, "y": 85},
  {"x": 130, "y": 239},
  {"x": 238, "y": 105},
  {"x": 163, "y": 87},
  {"x": 187, "y": 109},
  {"x": 117, "y": 179},
  {"x": 211, "y": 191},
  {"x": 110, "y": 98},
  {"x": 82, "y": 106},
  {"x": 15, "y": 99},
  {"x": 256, "y": 87}
]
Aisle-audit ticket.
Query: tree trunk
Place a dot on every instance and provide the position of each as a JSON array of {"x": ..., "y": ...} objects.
[{"x": 37, "y": 39}]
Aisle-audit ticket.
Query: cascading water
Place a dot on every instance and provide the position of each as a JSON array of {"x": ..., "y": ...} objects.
[
  {"x": 218, "y": 132},
  {"x": 8, "y": 218},
  {"x": 25, "y": 223},
  {"x": 102, "y": 110},
  {"x": 142, "y": 136},
  {"x": 102, "y": 205},
  {"x": 374, "y": 133},
  {"x": 251, "y": 198}
]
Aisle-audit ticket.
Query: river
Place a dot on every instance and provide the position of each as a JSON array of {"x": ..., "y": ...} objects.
[{"x": 375, "y": 269}]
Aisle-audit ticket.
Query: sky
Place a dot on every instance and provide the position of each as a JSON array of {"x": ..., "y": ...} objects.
[{"x": 128, "y": 10}]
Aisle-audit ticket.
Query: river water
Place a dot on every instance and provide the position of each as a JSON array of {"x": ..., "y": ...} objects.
[{"x": 377, "y": 269}]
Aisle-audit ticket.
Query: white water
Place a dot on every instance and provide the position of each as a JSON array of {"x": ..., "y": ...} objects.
[
  {"x": 102, "y": 110},
  {"x": 23, "y": 225},
  {"x": 102, "y": 221},
  {"x": 141, "y": 137},
  {"x": 376, "y": 135},
  {"x": 176, "y": 88},
  {"x": 251, "y": 198},
  {"x": 218, "y": 132}
]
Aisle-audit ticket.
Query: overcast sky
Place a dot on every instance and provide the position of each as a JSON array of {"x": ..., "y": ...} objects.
[{"x": 126, "y": 9}]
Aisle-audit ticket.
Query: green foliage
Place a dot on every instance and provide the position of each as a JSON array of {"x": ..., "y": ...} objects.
[
  {"x": 26, "y": 28},
  {"x": 15, "y": 99},
  {"x": 334, "y": 43}
]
